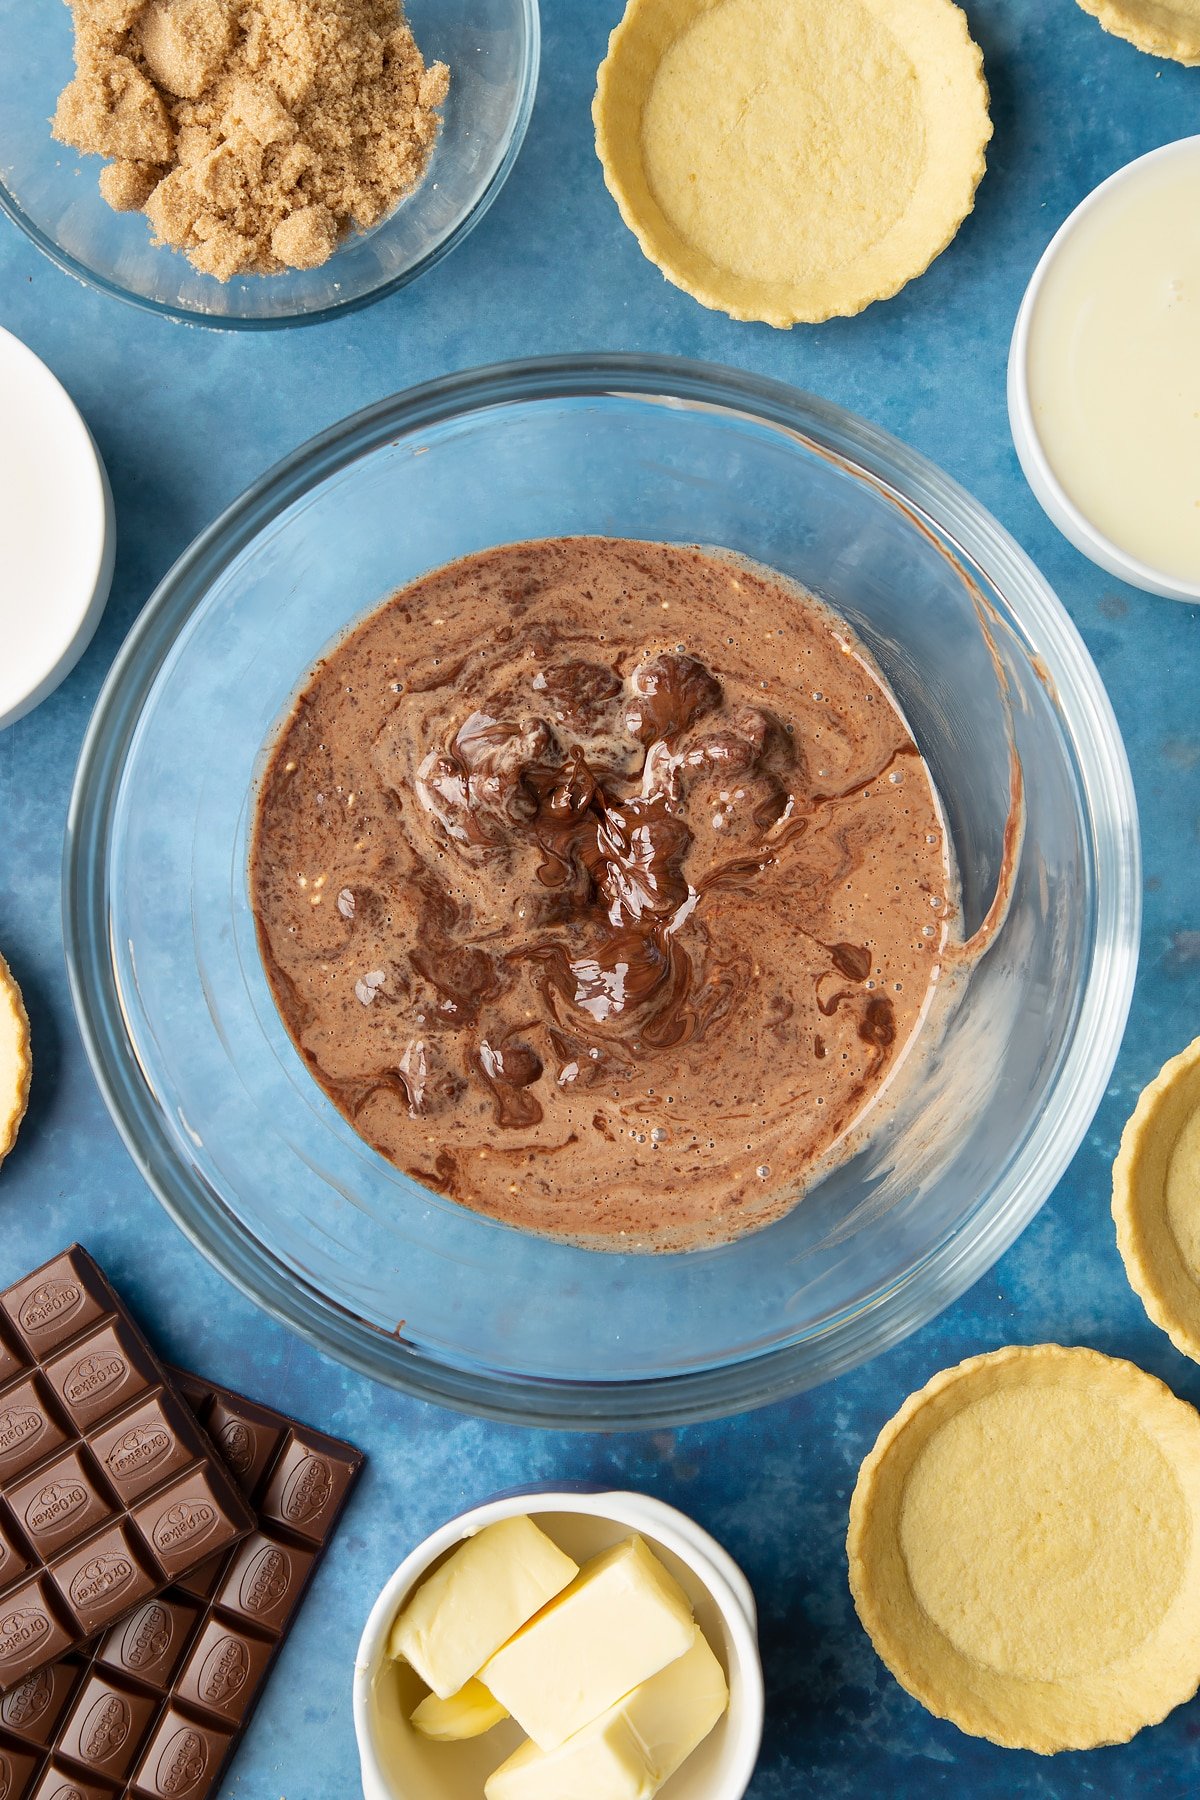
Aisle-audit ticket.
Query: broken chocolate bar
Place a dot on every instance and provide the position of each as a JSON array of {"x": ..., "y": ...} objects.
[
  {"x": 109, "y": 1488},
  {"x": 156, "y": 1707}
]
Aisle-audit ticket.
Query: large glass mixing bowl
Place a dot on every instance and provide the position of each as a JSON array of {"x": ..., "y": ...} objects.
[
  {"x": 267, "y": 1178},
  {"x": 51, "y": 192}
]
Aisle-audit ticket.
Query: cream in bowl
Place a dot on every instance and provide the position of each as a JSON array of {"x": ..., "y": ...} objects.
[
  {"x": 1104, "y": 374},
  {"x": 546, "y": 1644}
]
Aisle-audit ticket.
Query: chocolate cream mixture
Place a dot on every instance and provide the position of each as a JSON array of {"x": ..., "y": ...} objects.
[{"x": 601, "y": 886}]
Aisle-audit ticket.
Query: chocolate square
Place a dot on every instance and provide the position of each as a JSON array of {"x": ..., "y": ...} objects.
[
  {"x": 30, "y": 1631},
  {"x": 182, "y": 1759},
  {"x": 29, "y": 1429},
  {"x": 58, "y": 1300},
  {"x": 223, "y": 1669},
  {"x": 59, "y": 1504},
  {"x": 62, "y": 1783},
  {"x": 151, "y": 1641},
  {"x": 95, "y": 1377},
  {"x": 246, "y": 1438},
  {"x": 144, "y": 1447},
  {"x": 305, "y": 1489},
  {"x": 184, "y": 1522},
  {"x": 32, "y": 1709},
  {"x": 16, "y": 1768},
  {"x": 14, "y": 1558},
  {"x": 264, "y": 1581},
  {"x": 103, "y": 1578},
  {"x": 107, "y": 1727}
]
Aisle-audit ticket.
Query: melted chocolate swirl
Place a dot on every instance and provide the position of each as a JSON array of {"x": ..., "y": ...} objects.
[{"x": 529, "y": 879}]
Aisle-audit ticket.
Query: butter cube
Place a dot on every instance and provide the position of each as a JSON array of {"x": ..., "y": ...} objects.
[
  {"x": 620, "y": 1621},
  {"x": 629, "y": 1751},
  {"x": 467, "y": 1714},
  {"x": 475, "y": 1601},
  {"x": 604, "y": 1761},
  {"x": 673, "y": 1712}
]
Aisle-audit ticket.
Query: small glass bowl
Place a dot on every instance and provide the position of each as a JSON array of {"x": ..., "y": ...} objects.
[
  {"x": 52, "y": 192},
  {"x": 220, "y": 1111}
]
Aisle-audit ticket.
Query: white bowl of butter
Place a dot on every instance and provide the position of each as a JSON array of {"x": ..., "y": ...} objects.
[
  {"x": 654, "y": 1551},
  {"x": 1104, "y": 374}
]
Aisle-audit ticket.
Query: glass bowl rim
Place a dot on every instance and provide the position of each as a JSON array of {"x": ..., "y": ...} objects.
[
  {"x": 188, "y": 315},
  {"x": 948, "y": 1267}
]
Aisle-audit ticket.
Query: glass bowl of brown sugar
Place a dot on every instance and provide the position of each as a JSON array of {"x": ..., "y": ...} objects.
[
  {"x": 284, "y": 177},
  {"x": 231, "y": 1122}
]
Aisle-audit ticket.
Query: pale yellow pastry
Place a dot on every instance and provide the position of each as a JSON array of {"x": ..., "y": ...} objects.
[
  {"x": 1159, "y": 27},
  {"x": 1024, "y": 1548},
  {"x": 1156, "y": 1200},
  {"x": 792, "y": 160},
  {"x": 15, "y": 1065}
]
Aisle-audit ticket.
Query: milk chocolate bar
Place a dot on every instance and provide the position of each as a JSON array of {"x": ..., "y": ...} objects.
[
  {"x": 109, "y": 1488},
  {"x": 156, "y": 1707}
]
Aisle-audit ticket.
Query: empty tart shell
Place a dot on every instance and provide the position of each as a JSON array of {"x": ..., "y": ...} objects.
[
  {"x": 1156, "y": 1200},
  {"x": 14, "y": 1059},
  {"x": 792, "y": 160},
  {"x": 1159, "y": 27},
  {"x": 1025, "y": 1552}
]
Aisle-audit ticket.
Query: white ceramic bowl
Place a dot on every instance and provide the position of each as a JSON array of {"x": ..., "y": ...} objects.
[
  {"x": 57, "y": 532},
  {"x": 398, "y": 1764},
  {"x": 1056, "y": 502}
]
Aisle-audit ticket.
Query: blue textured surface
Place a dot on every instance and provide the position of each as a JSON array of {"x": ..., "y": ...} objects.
[{"x": 185, "y": 419}]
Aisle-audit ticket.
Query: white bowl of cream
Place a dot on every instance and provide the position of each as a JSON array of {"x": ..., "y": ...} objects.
[
  {"x": 398, "y": 1764},
  {"x": 1104, "y": 374}
]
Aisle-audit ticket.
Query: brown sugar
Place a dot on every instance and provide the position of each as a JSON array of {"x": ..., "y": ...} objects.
[{"x": 253, "y": 133}]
